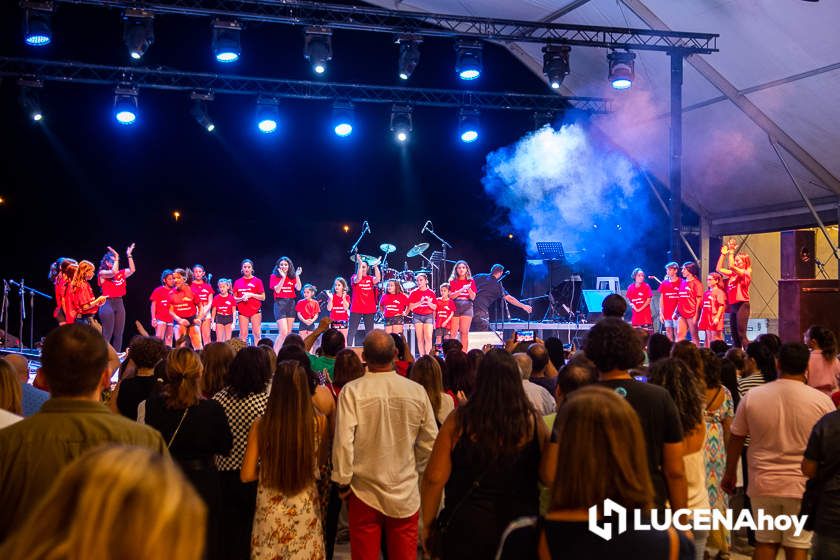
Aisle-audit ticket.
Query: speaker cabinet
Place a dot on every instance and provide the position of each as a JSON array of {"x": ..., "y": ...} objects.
[
  {"x": 803, "y": 303},
  {"x": 799, "y": 254}
]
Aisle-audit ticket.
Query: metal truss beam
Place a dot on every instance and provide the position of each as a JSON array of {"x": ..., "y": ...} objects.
[
  {"x": 165, "y": 79},
  {"x": 291, "y": 12}
]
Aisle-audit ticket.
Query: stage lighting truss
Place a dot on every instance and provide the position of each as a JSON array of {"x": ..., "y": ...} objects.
[
  {"x": 343, "y": 118},
  {"x": 317, "y": 48},
  {"x": 468, "y": 124},
  {"x": 402, "y": 123},
  {"x": 556, "y": 64},
  {"x": 200, "y": 101},
  {"x": 138, "y": 32},
  {"x": 30, "y": 97},
  {"x": 468, "y": 59},
  {"x": 268, "y": 114},
  {"x": 227, "y": 41},
  {"x": 621, "y": 69},
  {"x": 37, "y": 23},
  {"x": 409, "y": 56},
  {"x": 125, "y": 103}
]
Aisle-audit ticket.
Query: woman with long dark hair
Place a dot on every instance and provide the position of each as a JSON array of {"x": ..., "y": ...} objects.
[
  {"x": 244, "y": 400},
  {"x": 282, "y": 455},
  {"x": 737, "y": 268},
  {"x": 216, "y": 358},
  {"x": 285, "y": 283},
  {"x": 203, "y": 290},
  {"x": 61, "y": 271},
  {"x": 487, "y": 455},
  {"x": 462, "y": 291},
  {"x": 112, "y": 280},
  {"x": 823, "y": 365},
  {"x": 249, "y": 293}
]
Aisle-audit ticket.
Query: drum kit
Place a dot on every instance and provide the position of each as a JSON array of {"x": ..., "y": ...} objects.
[{"x": 406, "y": 277}]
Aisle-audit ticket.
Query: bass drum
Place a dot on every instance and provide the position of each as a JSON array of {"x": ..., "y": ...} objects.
[
  {"x": 407, "y": 280},
  {"x": 388, "y": 274}
]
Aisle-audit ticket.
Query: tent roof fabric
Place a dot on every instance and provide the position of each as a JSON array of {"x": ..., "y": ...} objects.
[{"x": 780, "y": 56}]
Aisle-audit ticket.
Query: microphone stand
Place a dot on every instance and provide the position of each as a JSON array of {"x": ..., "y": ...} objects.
[
  {"x": 355, "y": 249},
  {"x": 32, "y": 293},
  {"x": 443, "y": 245}
]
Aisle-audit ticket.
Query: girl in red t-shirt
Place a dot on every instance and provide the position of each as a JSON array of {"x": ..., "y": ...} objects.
[
  {"x": 738, "y": 270},
  {"x": 111, "y": 279},
  {"x": 639, "y": 295},
  {"x": 421, "y": 303},
  {"x": 223, "y": 310},
  {"x": 249, "y": 294},
  {"x": 184, "y": 307},
  {"x": 444, "y": 314},
  {"x": 690, "y": 303},
  {"x": 338, "y": 305},
  {"x": 161, "y": 320},
  {"x": 203, "y": 290},
  {"x": 60, "y": 273},
  {"x": 462, "y": 290},
  {"x": 362, "y": 298},
  {"x": 307, "y": 311},
  {"x": 285, "y": 283},
  {"x": 393, "y": 305},
  {"x": 714, "y": 304},
  {"x": 80, "y": 306}
]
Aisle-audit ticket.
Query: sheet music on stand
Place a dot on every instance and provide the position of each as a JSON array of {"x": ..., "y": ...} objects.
[{"x": 551, "y": 250}]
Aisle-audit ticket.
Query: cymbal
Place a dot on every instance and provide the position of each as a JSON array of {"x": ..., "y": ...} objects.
[
  {"x": 418, "y": 249},
  {"x": 371, "y": 261},
  {"x": 422, "y": 271},
  {"x": 387, "y": 248}
]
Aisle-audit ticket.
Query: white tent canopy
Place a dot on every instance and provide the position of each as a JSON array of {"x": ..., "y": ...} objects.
[{"x": 777, "y": 76}]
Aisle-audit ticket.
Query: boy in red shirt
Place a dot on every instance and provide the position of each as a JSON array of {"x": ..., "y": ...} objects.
[{"x": 444, "y": 312}]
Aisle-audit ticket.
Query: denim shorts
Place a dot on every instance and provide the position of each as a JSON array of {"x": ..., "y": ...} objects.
[
  {"x": 670, "y": 323},
  {"x": 284, "y": 308},
  {"x": 396, "y": 320},
  {"x": 425, "y": 319},
  {"x": 463, "y": 308}
]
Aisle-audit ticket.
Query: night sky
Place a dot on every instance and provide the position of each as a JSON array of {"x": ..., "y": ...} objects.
[{"x": 78, "y": 182}]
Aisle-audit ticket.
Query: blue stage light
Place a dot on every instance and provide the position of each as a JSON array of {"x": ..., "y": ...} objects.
[
  {"x": 317, "y": 48},
  {"x": 200, "y": 111},
  {"x": 138, "y": 32},
  {"x": 343, "y": 118},
  {"x": 30, "y": 98},
  {"x": 125, "y": 104},
  {"x": 227, "y": 45},
  {"x": 468, "y": 59},
  {"x": 622, "y": 72},
  {"x": 401, "y": 122},
  {"x": 267, "y": 115},
  {"x": 556, "y": 64},
  {"x": 37, "y": 24},
  {"x": 468, "y": 125},
  {"x": 409, "y": 55}
]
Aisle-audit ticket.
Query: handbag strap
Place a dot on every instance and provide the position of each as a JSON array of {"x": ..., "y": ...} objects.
[{"x": 175, "y": 433}]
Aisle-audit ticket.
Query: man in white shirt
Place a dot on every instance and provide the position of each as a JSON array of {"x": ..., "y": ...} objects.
[
  {"x": 385, "y": 430},
  {"x": 542, "y": 400}
]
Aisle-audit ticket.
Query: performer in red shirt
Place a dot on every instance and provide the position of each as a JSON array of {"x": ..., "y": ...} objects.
[
  {"x": 338, "y": 305},
  {"x": 421, "y": 303},
  {"x": 639, "y": 295},
  {"x": 249, "y": 294},
  {"x": 285, "y": 283},
  {"x": 393, "y": 305},
  {"x": 738, "y": 270},
  {"x": 223, "y": 310},
  {"x": 60, "y": 273},
  {"x": 183, "y": 309},
  {"x": 362, "y": 298},
  {"x": 462, "y": 290},
  {"x": 307, "y": 311},
  {"x": 669, "y": 291},
  {"x": 714, "y": 304},
  {"x": 203, "y": 290},
  {"x": 80, "y": 306},
  {"x": 111, "y": 280},
  {"x": 161, "y": 320},
  {"x": 444, "y": 314},
  {"x": 690, "y": 303}
]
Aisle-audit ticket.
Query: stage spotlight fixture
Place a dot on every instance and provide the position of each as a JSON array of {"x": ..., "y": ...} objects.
[
  {"x": 138, "y": 32},
  {"x": 200, "y": 101},
  {"x": 468, "y": 58},
  {"x": 30, "y": 98},
  {"x": 556, "y": 64},
  {"x": 125, "y": 104},
  {"x": 343, "y": 118},
  {"x": 468, "y": 125},
  {"x": 409, "y": 55},
  {"x": 621, "y": 69},
  {"x": 317, "y": 47},
  {"x": 227, "y": 45},
  {"x": 401, "y": 122},
  {"x": 267, "y": 115},
  {"x": 37, "y": 23}
]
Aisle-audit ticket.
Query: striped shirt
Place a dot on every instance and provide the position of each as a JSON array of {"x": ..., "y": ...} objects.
[{"x": 748, "y": 382}]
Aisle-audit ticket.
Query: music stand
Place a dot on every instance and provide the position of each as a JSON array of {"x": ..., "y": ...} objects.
[{"x": 551, "y": 251}]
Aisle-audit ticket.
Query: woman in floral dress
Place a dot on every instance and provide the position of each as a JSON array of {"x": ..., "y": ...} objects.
[{"x": 282, "y": 454}]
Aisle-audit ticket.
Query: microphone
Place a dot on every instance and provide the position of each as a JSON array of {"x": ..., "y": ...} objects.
[
  {"x": 426, "y": 226},
  {"x": 504, "y": 275},
  {"x": 653, "y": 278}
]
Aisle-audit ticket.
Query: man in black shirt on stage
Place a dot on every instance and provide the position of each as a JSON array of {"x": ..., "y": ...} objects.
[{"x": 489, "y": 291}]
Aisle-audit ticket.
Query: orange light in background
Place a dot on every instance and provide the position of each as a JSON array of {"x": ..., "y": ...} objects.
[
  {"x": 346, "y": 228},
  {"x": 510, "y": 236},
  {"x": 2, "y": 200},
  {"x": 177, "y": 215}
]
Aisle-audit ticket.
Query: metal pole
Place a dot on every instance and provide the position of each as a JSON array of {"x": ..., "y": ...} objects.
[
  {"x": 675, "y": 155},
  {"x": 705, "y": 255}
]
